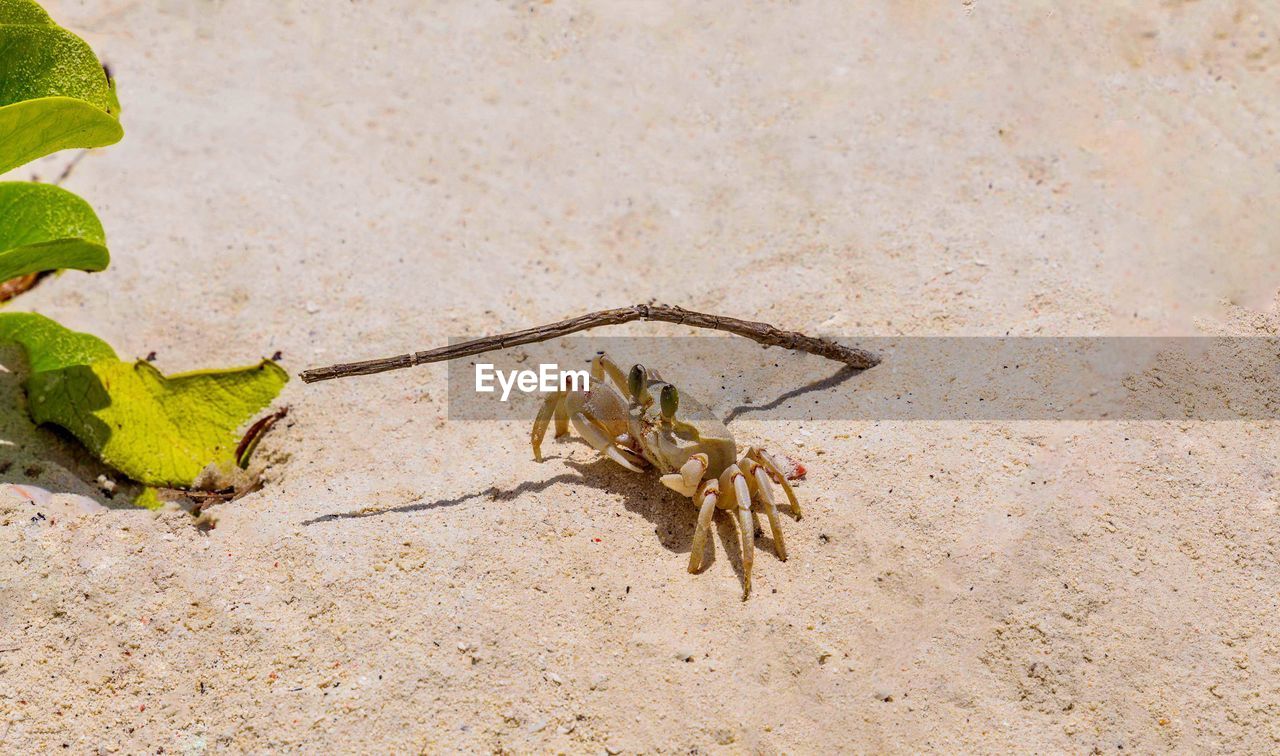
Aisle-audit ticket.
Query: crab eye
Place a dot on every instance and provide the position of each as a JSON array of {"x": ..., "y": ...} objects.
[
  {"x": 670, "y": 401},
  {"x": 635, "y": 381}
]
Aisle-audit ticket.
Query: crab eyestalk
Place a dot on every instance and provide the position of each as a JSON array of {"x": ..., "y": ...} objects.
[
  {"x": 635, "y": 381},
  {"x": 670, "y": 400}
]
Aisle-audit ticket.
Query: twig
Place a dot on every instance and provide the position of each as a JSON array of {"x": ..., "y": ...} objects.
[
  {"x": 15, "y": 286},
  {"x": 71, "y": 166},
  {"x": 202, "y": 499},
  {"x": 220, "y": 496},
  {"x": 761, "y": 332},
  {"x": 249, "y": 442}
]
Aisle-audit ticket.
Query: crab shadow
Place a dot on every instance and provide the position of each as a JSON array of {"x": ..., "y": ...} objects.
[
  {"x": 673, "y": 517},
  {"x": 492, "y": 493}
]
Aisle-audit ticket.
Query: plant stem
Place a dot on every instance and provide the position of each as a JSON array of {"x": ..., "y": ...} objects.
[
  {"x": 761, "y": 332},
  {"x": 15, "y": 286}
]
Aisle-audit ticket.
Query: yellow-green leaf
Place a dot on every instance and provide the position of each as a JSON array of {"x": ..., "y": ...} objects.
[
  {"x": 148, "y": 499},
  {"x": 43, "y": 227},
  {"x": 162, "y": 431},
  {"x": 158, "y": 430}
]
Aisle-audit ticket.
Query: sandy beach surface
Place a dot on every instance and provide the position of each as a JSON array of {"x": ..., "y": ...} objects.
[{"x": 348, "y": 180}]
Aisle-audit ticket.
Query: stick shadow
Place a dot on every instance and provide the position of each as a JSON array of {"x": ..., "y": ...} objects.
[{"x": 835, "y": 379}]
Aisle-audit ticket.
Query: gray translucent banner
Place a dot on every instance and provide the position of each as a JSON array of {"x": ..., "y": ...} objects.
[{"x": 920, "y": 378}]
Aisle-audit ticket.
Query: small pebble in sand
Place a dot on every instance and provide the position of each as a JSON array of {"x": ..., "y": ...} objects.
[{"x": 106, "y": 485}]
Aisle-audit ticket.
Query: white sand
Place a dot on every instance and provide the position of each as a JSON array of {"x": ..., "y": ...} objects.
[{"x": 340, "y": 180}]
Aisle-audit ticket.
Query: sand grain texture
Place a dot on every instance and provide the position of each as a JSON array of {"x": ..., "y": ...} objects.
[{"x": 351, "y": 180}]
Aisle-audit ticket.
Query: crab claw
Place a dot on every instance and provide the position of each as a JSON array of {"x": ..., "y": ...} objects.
[
  {"x": 601, "y": 442},
  {"x": 693, "y": 470},
  {"x": 676, "y": 482}
]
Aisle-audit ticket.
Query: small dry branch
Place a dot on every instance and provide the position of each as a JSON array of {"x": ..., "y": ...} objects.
[{"x": 761, "y": 332}]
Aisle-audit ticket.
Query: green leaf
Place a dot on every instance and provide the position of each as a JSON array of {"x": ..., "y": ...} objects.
[
  {"x": 23, "y": 12},
  {"x": 50, "y": 346},
  {"x": 43, "y": 227},
  {"x": 158, "y": 430},
  {"x": 53, "y": 92}
]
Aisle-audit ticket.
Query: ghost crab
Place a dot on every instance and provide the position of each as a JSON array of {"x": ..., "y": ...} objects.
[{"x": 644, "y": 424}]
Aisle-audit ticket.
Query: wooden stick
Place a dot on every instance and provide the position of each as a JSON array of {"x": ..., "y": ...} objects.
[{"x": 761, "y": 332}]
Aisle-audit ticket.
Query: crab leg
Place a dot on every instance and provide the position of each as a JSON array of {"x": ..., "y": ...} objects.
[
  {"x": 775, "y": 471},
  {"x": 553, "y": 405},
  {"x": 710, "y": 497},
  {"x": 601, "y": 442},
  {"x": 746, "y": 525},
  {"x": 603, "y": 365},
  {"x": 562, "y": 418},
  {"x": 765, "y": 491}
]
